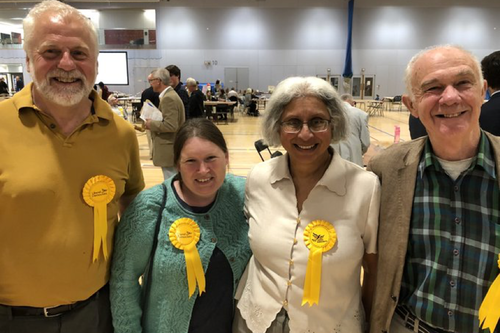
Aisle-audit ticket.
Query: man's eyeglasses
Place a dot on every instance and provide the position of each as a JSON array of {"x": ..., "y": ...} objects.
[
  {"x": 151, "y": 80},
  {"x": 315, "y": 125}
]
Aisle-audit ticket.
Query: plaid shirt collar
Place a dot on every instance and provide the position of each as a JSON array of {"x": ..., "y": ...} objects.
[{"x": 484, "y": 158}]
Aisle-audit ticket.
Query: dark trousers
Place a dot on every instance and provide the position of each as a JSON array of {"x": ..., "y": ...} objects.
[{"x": 92, "y": 317}]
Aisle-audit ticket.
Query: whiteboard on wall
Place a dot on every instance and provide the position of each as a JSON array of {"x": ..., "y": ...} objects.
[{"x": 113, "y": 68}]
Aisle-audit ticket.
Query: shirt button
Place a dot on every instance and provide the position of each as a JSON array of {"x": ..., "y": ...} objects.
[
  {"x": 290, "y": 262},
  {"x": 231, "y": 259},
  {"x": 285, "y": 303},
  {"x": 394, "y": 298},
  {"x": 455, "y": 188},
  {"x": 214, "y": 240},
  {"x": 298, "y": 220},
  {"x": 295, "y": 241},
  {"x": 450, "y": 313},
  {"x": 457, "y": 220},
  {"x": 452, "y": 283},
  {"x": 207, "y": 217},
  {"x": 52, "y": 126},
  {"x": 455, "y": 252},
  {"x": 289, "y": 283}
]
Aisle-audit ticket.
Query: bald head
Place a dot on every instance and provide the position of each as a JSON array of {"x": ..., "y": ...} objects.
[{"x": 436, "y": 55}]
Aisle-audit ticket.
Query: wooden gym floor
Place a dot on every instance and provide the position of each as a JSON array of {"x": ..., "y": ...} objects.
[{"x": 241, "y": 134}]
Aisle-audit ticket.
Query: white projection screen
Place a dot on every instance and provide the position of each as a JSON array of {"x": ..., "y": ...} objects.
[{"x": 113, "y": 68}]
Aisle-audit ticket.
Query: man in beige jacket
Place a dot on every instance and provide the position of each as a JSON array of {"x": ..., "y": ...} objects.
[
  {"x": 439, "y": 232},
  {"x": 163, "y": 132}
]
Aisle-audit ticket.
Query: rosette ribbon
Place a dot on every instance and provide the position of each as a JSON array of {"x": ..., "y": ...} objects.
[
  {"x": 489, "y": 311},
  {"x": 184, "y": 235},
  {"x": 98, "y": 191},
  {"x": 319, "y": 237}
]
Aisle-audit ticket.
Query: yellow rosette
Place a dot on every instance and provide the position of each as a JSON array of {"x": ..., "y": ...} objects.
[
  {"x": 98, "y": 192},
  {"x": 489, "y": 311},
  {"x": 319, "y": 236},
  {"x": 184, "y": 234}
]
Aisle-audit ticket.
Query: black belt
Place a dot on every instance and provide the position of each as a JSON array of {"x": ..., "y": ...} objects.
[
  {"x": 50, "y": 311},
  {"x": 411, "y": 322}
]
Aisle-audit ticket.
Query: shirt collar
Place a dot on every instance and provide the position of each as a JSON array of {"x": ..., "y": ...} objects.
[
  {"x": 494, "y": 93},
  {"x": 483, "y": 159},
  {"x": 334, "y": 178},
  {"x": 165, "y": 91}
]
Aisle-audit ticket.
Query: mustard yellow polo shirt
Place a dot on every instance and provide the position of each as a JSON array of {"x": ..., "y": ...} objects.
[{"x": 46, "y": 228}]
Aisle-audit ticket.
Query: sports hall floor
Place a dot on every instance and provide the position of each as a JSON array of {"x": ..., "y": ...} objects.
[{"x": 241, "y": 134}]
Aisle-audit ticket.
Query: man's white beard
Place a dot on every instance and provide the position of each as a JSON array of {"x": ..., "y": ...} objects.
[{"x": 66, "y": 96}]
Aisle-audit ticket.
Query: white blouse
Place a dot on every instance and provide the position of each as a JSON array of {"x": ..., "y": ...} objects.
[{"x": 346, "y": 196}]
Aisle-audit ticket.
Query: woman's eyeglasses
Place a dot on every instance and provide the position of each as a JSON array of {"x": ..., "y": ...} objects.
[{"x": 315, "y": 125}]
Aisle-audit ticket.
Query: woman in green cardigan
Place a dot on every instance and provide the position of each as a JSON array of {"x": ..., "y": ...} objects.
[{"x": 202, "y": 244}]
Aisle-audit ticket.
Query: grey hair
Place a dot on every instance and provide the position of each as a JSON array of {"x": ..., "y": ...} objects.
[
  {"x": 297, "y": 87},
  {"x": 346, "y": 97},
  {"x": 190, "y": 82},
  {"x": 62, "y": 12},
  {"x": 416, "y": 57},
  {"x": 163, "y": 75}
]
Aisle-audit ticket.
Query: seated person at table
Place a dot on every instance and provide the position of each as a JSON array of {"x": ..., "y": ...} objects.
[
  {"x": 116, "y": 107},
  {"x": 250, "y": 103}
]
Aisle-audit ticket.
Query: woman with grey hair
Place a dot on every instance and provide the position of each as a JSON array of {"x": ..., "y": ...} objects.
[{"x": 313, "y": 221}]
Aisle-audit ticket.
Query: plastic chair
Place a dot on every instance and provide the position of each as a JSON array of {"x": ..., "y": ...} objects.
[
  {"x": 397, "y": 101},
  {"x": 260, "y": 146},
  {"x": 375, "y": 108}
]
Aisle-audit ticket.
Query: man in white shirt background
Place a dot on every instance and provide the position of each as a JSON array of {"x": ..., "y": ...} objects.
[{"x": 358, "y": 140}]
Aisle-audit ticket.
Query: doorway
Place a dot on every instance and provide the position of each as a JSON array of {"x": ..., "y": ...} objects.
[
  {"x": 237, "y": 78},
  {"x": 363, "y": 87}
]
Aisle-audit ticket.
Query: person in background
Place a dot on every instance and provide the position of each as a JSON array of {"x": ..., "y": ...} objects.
[
  {"x": 175, "y": 82},
  {"x": 104, "y": 92},
  {"x": 439, "y": 237},
  {"x": 232, "y": 95},
  {"x": 202, "y": 195},
  {"x": 19, "y": 83},
  {"x": 218, "y": 87},
  {"x": 222, "y": 95},
  {"x": 313, "y": 221},
  {"x": 417, "y": 129},
  {"x": 490, "y": 111},
  {"x": 4, "y": 88},
  {"x": 195, "y": 106},
  {"x": 150, "y": 94},
  {"x": 163, "y": 132},
  {"x": 153, "y": 97},
  {"x": 68, "y": 166},
  {"x": 250, "y": 103},
  {"x": 358, "y": 140},
  {"x": 116, "y": 107}
]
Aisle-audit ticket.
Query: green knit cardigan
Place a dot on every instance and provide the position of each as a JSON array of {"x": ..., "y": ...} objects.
[{"x": 169, "y": 307}]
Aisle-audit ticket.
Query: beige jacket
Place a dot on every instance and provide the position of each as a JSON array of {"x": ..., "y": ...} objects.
[
  {"x": 163, "y": 132},
  {"x": 397, "y": 170}
]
